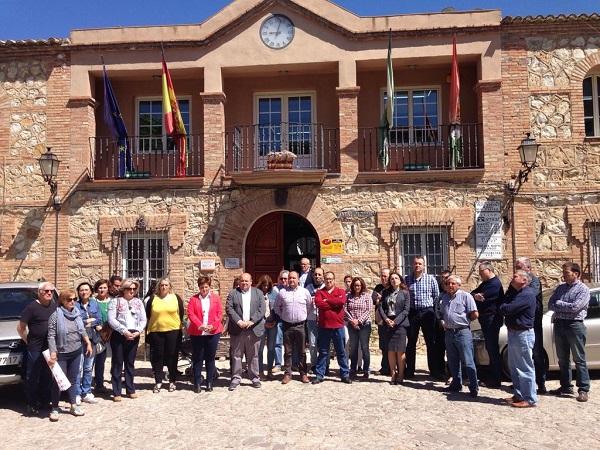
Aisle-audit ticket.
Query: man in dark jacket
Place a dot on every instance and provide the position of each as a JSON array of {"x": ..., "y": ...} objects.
[
  {"x": 488, "y": 296},
  {"x": 519, "y": 315}
]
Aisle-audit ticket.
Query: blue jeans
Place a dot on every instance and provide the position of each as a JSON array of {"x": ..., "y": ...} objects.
[
  {"x": 324, "y": 337},
  {"x": 38, "y": 379},
  {"x": 87, "y": 365},
  {"x": 520, "y": 361},
  {"x": 459, "y": 349},
  {"x": 356, "y": 337},
  {"x": 490, "y": 326},
  {"x": 268, "y": 339},
  {"x": 569, "y": 336},
  {"x": 204, "y": 350},
  {"x": 69, "y": 363},
  {"x": 312, "y": 331}
]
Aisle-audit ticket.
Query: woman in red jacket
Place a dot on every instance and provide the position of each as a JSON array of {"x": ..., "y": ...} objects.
[{"x": 205, "y": 313}]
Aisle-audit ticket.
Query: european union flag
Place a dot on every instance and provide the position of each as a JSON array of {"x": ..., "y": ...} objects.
[{"x": 114, "y": 121}]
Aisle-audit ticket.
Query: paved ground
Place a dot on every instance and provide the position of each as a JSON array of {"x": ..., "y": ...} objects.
[{"x": 331, "y": 415}]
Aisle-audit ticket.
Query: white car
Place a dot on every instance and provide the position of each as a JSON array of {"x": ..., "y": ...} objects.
[
  {"x": 14, "y": 297},
  {"x": 592, "y": 346}
]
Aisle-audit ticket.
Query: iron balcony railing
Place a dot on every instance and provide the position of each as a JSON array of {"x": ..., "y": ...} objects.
[
  {"x": 252, "y": 147},
  {"x": 421, "y": 148},
  {"x": 144, "y": 157}
]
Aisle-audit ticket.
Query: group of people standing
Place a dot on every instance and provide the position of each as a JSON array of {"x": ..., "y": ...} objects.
[{"x": 302, "y": 310}]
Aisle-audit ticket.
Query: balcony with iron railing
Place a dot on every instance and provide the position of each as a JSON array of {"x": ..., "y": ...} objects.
[
  {"x": 286, "y": 153},
  {"x": 422, "y": 152},
  {"x": 143, "y": 157}
]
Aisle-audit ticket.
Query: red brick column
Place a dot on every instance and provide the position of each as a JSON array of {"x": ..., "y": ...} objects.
[
  {"x": 348, "y": 122},
  {"x": 489, "y": 96},
  {"x": 214, "y": 134}
]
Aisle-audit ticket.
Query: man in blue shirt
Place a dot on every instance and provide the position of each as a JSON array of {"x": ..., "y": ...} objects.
[
  {"x": 489, "y": 295},
  {"x": 519, "y": 314},
  {"x": 457, "y": 310},
  {"x": 423, "y": 289},
  {"x": 570, "y": 302}
]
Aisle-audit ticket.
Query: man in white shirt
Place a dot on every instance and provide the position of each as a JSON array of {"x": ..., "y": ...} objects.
[{"x": 246, "y": 310}]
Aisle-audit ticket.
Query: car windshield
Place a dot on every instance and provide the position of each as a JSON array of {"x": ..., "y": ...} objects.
[{"x": 14, "y": 300}]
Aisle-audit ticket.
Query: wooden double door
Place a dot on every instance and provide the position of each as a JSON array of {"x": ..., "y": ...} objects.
[{"x": 278, "y": 241}]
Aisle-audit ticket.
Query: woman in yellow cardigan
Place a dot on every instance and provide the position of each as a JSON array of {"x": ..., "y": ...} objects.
[{"x": 165, "y": 318}]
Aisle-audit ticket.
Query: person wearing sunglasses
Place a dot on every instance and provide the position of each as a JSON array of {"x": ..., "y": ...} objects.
[
  {"x": 66, "y": 336},
  {"x": 127, "y": 317},
  {"x": 33, "y": 329}
]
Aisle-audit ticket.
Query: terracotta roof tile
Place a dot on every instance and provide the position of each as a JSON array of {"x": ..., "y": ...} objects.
[
  {"x": 550, "y": 18},
  {"x": 34, "y": 42}
]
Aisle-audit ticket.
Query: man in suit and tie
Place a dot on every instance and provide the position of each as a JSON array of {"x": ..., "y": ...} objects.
[{"x": 246, "y": 311}]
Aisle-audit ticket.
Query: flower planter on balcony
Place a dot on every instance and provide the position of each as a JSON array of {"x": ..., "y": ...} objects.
[{"x": 280, "y": 160}]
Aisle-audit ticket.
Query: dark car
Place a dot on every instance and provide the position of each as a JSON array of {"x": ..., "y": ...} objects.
[{"x": 14, "y": 297}]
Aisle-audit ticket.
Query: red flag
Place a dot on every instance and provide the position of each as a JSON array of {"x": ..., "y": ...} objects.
[
  {"x": 173, "y": 122},
  {"x": 454, "y": 107}
]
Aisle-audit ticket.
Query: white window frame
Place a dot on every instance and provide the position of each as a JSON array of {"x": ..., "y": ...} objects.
[
  {"x": 164, "y": 135},
  {"x": 284, "y": 96},
  {"x": 423, "y": 231},
  {"x": 410, "y": 90},
  {"x": 595, "y": 79},
  {"x": 146, "y": 236}
]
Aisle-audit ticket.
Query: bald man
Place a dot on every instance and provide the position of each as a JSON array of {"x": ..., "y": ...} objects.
[{"x": 245, "y": 307}]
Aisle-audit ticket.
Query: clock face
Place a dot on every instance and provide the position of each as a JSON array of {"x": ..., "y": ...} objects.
[{"x": 277, "y": 31}]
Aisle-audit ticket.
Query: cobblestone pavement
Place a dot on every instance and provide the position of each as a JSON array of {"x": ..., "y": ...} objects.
[{"x": 331, "y": 415}]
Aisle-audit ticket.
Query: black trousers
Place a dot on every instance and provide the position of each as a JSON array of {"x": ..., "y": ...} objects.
[
  {"x": 538, "y": 348},
  {"x": 421, "y": 319},
  {"x": 294, "y": 341},
  {"x": 164, "y": 351},
  {"x": 123, "y": 353},
  {"x": 439, "y": 350}
]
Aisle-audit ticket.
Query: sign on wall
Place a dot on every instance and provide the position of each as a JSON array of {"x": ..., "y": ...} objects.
[
  {"x": 232, "y": 263},
  {"x": 207, "y": 264},
  {"x": 332, "y": 247},
  {"x": 488, "y": 229}
]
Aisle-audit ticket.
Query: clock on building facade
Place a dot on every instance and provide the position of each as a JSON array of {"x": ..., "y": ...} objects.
[{"x": 277, "y": 31}]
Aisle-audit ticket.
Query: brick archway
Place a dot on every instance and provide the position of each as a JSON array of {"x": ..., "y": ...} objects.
[
  {"x": 257, "y": 204},
  {"x": 581, "y": 70}
]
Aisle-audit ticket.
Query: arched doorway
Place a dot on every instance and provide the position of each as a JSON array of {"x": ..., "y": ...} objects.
[{"x": 279, "y": 240}]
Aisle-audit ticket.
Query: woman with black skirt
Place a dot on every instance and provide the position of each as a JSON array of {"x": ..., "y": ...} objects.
[{"x": 393, "y": 309}]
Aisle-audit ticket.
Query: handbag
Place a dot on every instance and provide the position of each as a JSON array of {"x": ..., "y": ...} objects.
[
  {"x": 100, "y": 347},
  {"x": 105, "y": 334}
]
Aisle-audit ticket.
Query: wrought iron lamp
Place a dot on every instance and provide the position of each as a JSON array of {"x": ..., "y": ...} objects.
[
  {"x": 49, "y": 163},
  {"x": 528, "y": 151}
]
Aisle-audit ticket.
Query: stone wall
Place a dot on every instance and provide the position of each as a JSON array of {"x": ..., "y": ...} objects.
[
  {"x": 550, "y": 116},
  {"x": 551, "y": 60}
]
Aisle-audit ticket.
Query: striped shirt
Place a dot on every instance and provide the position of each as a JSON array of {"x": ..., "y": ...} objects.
[{"x": 358, "y": 308}]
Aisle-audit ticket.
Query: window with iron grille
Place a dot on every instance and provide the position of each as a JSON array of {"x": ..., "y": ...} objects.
[
  {"x": 595, "y": 251},
  {"x": 428, "y": 241},
  {"x": 144, "y": 257}
]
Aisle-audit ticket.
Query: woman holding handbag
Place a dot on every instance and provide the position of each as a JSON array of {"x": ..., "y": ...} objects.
[
  {"x": 66, "y": 336},
  {"x": 103, "y": 299},
  {"x": 90, "y": 315}
]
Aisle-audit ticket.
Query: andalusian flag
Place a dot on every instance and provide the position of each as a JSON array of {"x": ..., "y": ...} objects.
[
  {"x": 387, "y": 119},
  {"x": 456, "y": 150},
  {"x": 173, "y": 122}
]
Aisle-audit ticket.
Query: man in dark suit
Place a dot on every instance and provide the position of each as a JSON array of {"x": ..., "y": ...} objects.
[{"x": 246, "y": 309}]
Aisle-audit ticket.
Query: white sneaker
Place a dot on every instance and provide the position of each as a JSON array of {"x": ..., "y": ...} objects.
[
  {"x": 54, "y": 415},
  {"x": 76, "y": 411},
  {"x": 90, "y": 399},
  {"x": 78, "y": 400}
]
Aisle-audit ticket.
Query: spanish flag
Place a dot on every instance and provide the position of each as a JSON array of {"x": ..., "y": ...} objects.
[{"x": 173, "y": 122}]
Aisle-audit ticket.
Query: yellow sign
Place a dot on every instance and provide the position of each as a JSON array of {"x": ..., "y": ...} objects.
[{"x": 332, "y": 247}]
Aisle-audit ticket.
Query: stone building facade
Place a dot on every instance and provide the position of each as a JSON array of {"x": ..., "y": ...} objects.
[{"x": 319, "y": 97}]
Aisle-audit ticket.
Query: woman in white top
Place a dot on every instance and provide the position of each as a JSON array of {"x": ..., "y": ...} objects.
[
  {"x": 127, "y": 318},
  {"x": 205, "y": 314}
]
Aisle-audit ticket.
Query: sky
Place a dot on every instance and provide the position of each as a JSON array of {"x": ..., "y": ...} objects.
[{"x": 39, "y": 19}]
